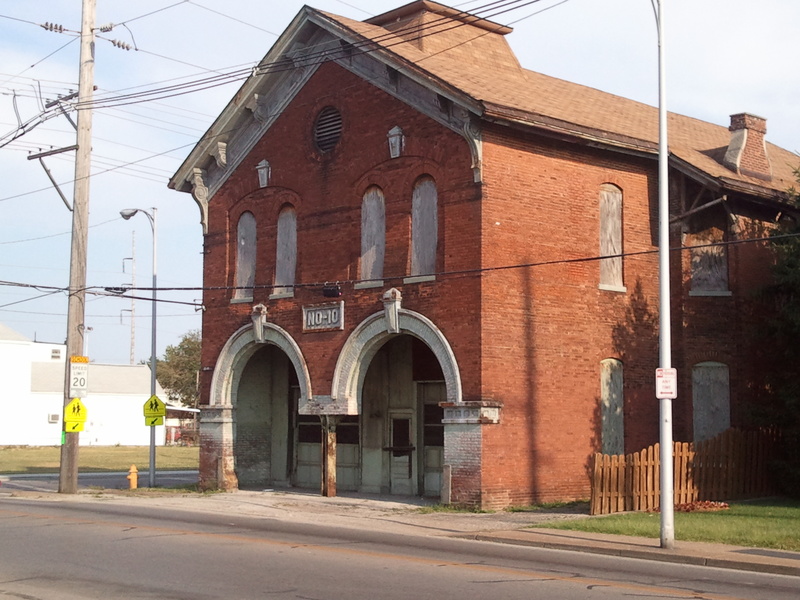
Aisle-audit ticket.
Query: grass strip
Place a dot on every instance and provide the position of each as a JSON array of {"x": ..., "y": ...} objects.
[
  {"x": 96, "y": 459},
  {"x": 770, "y": 523}
]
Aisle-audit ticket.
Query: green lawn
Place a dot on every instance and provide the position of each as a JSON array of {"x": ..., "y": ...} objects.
[
  {"x": 46, "y": 459},
  {"x": 771, "y": 523}
]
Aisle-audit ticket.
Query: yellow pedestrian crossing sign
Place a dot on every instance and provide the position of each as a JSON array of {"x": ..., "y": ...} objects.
[
  {"x": 75, "y": 412},
  {"x": 154, "y": 407}
]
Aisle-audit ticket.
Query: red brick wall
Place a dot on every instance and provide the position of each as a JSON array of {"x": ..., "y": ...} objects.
[
  {"x": 546, "y": 328},
  {"x": 327, "y": 194},
  {"x": 723, "y": 328},
  {"x": 529, "y": 337}
]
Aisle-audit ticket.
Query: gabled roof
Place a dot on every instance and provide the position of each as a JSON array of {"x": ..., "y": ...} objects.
[
  {"x": 8, "y": 334},
  {"x": 469, "y": 61}
]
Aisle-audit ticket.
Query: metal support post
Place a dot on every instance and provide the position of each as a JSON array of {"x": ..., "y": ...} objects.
[{"x": 665, "y": 322}]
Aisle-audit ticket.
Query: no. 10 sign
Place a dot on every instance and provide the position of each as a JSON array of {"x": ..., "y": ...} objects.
[
  {"x": 666, "y": 383},
  {"x": 78, "y": 376}
]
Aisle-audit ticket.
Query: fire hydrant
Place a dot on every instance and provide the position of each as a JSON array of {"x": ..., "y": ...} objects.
[{"x": 133, "y": 476}]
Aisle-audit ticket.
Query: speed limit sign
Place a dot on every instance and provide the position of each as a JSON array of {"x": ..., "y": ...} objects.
[{"x": 78, "y": 376}]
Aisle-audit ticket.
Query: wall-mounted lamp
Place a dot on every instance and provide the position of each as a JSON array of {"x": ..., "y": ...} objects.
[
  {"x": 331, "y": 290},
  {"x": 396, "y": 141},
  {"x": 264, "y": 171}
]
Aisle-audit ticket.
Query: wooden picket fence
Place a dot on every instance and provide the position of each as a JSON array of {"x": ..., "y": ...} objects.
[{"x": 730, "y": 466}]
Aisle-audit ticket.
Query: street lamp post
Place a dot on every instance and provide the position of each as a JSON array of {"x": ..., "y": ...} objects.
[
  {"x": 127, "y": 214},
  {"x": 667, "y": 479}
]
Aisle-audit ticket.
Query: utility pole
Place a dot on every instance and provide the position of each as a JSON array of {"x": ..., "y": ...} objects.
[{"x": 68, "y": 472}]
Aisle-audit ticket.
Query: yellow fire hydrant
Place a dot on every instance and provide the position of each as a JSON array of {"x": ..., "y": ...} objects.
[{"x": 133, "y": 476}]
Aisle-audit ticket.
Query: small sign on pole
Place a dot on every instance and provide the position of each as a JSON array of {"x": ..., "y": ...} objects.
[
  {"x": 78, "y": 376},
  {"x": 666, "y": 383},
  {"x": 74, "y": 416},
  {"x": 154, "y": 411}
]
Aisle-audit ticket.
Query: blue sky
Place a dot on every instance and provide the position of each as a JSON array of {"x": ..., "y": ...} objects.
[{"x": 723, "y": 57}]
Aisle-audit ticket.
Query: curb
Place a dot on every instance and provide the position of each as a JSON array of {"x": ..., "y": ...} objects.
[{"x": 670, "y": 556}]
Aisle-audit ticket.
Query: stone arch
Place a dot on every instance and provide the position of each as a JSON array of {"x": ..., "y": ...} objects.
[
  {"x": 235, "y": 354},
  {"x": 365, "y": 341}
]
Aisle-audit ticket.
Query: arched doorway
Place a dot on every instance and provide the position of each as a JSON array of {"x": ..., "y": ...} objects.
[
  {"x": 274, "y": 445},
  {"x": 394, "y": 371},
  {"x": 402, "y": 432},
  {"x": 250, "y": 429},
  {"x": 266, "y": 426}
]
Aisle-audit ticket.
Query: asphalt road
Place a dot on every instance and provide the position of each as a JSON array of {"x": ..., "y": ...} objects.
[
  {"x": 49, "y": 482},
  {"x": 77, "y": 550}
]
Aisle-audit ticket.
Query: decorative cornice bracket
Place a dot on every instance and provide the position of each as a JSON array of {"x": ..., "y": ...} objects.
[
  {"x": 219, "y": 153},
  {"x": 472, "y": 134},
  {"x": 259, "y": 318},
  {"x": 392, "y": 301},
  {"x": 200, "y": 194}
]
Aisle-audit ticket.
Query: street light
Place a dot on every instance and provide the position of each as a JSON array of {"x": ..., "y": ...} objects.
[
  {"x": 127, "y": 214},
  {"x": 667, "y": 477}
]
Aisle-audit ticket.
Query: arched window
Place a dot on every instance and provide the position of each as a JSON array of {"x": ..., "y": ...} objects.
[
  {"x": 373, "y": 236},
  {"x": 709, "y": 262},
  {"x": 424, "y": 227},
  {"x": 711, "y": 399},
  {"x": 611, "y": 237},
  {"x": 286, "y": 252},
  {"x": 612, "y": 418},
  {"x": 245, "y": 256}
]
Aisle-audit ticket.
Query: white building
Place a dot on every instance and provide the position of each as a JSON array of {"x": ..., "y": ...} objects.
[{"x": 32, "y": 397}]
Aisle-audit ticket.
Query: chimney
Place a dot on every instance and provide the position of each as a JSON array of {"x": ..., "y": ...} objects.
[{"x": 747, "y": 152}]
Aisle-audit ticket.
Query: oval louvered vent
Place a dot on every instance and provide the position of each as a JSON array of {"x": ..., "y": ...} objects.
[{"x": 328, "y": 129}]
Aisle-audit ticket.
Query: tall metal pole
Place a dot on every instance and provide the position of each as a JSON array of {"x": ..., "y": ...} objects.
[
  {"x": 127, "y": 214},
  {"x": 133, "y": 300},
  {"x": 68, "y": 470},
  {"x": 665, "y": 324},
  {"x": 153, "y": 350}
]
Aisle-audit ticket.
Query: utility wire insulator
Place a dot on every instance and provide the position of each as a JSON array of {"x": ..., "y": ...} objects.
[
  {"x": 119, "y": 44},
  {"x": 53, "y": 27},
  {"x": 106, "y": 28}
]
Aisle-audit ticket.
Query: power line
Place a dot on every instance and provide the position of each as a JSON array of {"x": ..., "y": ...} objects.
[
  {"x": 443, "y": 274},
  {"x": 222, "y": 14},
  {"x": 538, "y": 12},
  {"x": 151, "y": 13},
  {"x": 355, "y": 7},
  {"x": 308, "y": 59},
  {"x": 46, "y": 237},
  {"x": 436, "y": 26},
  {"x": 222, "y": 79}
]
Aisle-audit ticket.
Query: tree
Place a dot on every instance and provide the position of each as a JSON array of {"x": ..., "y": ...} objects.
[
  {"x": 177, "y": 370},
  {"x": 782, "y": 336}
]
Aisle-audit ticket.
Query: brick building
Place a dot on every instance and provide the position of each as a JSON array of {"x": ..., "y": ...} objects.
[{"x": 403, "y": 285}]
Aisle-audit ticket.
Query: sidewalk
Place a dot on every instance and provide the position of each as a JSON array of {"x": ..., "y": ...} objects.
[{"x": 405, "y": 515}]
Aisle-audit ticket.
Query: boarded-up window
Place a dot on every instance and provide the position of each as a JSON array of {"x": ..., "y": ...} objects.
[
  {"x": 611, "y": 236},
  {"x": 245, "y": 256},
  {"x": 286, "y": 255},
  {"x": 709, "y": 261},
  {"x": 424, "y": 227},
  {"x": 373, "y": 234},
  {"x": 612, "y": 419},
  {"x": 710, "y": 399}
]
